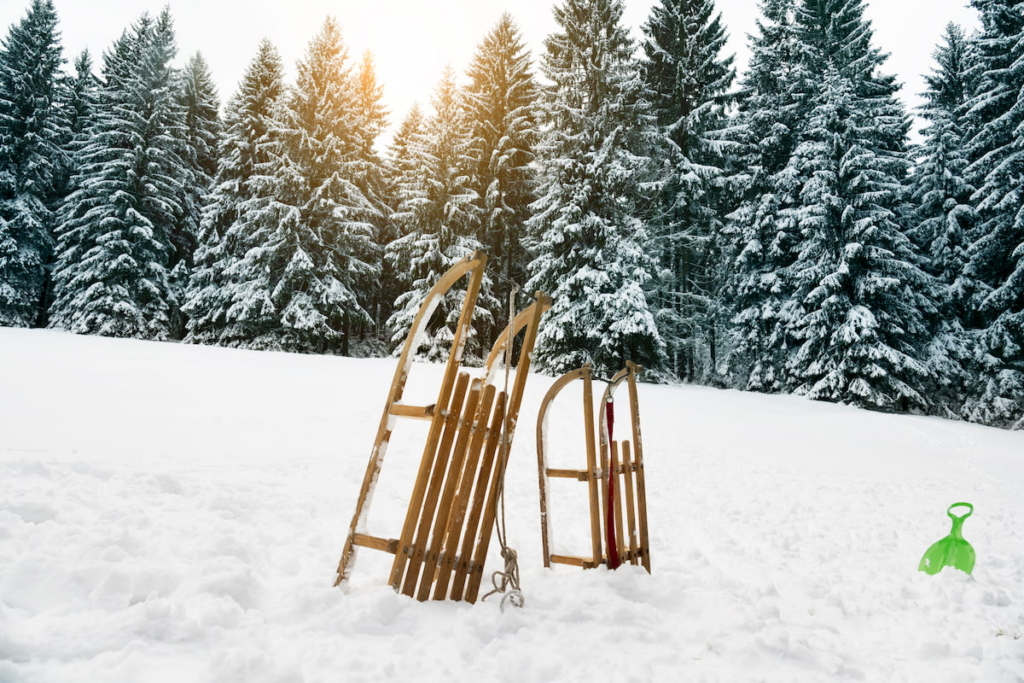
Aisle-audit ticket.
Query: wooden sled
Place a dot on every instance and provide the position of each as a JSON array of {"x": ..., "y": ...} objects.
[
  {"x": 626, "y": 523},
  {"x": 443, "y": 543}
]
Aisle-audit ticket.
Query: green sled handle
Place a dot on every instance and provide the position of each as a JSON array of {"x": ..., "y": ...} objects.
[{"x": 953, "y": 550}]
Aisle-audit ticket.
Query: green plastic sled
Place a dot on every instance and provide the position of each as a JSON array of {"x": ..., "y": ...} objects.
[{"x": 953, "y": 550}]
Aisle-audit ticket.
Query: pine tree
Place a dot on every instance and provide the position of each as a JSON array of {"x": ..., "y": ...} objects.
[
  {"x": 588, "y": 233},
  {"x": 689, "y": 82},
  {"x": 439, "y": 223},
  {"x": 943, "y": 217},
  {"x": 373, "y": 182},
  {"x": 402, "y": 150},
  {"x": 864, "y": 297},
  {"x": 217, "y": 310},
  {"x": 501, "y": 104},
  {"x": 198, "y": 98},
  {"x": 400, "y": 165},
  {"x": 33, "y": 130},
  {"x": 370, "y": 109},
  {"x": 314, "y": 222},
  {"x": 120, "y": 229},
  {"x": 84, "y": 97},
  {"x": 771, "y": 118},
  {"x": 996, "y": 151}
]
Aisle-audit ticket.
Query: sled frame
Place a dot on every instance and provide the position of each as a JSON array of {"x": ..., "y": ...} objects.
[
  {"x": 444, "y": 540},
  {"x": 622, "y": 459}
]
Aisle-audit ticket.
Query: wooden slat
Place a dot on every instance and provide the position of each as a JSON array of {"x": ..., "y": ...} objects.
[
  {"x": 439, "y": 528},
  {"x": 453, "y": 534},
  {"x": 388, "y": 545},
  {"x": 464, "y": 566},
  {"x": 425, "y": 514},
  {"x": 627, "y": 485},
  {"x": 415, "y": 412},
  {"x": 638, "y": 460},
  {"x": 592, "y": 468}
]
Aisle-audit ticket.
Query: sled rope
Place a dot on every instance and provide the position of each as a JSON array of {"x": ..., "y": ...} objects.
[{"x": 502, "y": 580}]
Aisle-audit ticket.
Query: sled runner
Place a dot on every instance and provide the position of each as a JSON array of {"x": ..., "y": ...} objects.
[
  {"x": 441, "y": 549},
  {"x": 614, "y": 476}
]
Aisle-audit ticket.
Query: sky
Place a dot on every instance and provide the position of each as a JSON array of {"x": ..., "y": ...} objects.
[{"x": 413, "y": 40}]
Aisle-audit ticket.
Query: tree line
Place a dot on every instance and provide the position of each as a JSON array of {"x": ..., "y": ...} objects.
[{"x": 774, "y": 231}]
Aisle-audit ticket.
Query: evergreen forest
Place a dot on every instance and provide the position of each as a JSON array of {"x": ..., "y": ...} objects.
[{"x": 770, "y": 230}]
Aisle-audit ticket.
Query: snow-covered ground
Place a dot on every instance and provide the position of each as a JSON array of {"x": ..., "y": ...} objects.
[{"x": 176, "y": 513}]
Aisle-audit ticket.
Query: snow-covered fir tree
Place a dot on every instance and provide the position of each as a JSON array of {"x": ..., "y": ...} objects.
[
  {"x": 399, "y": 164},
  {"x": 370, "y": 107},
  {"x": 33, "y": 131},
  {"x": 501, "y": 105},
  {"x": 772, "y": 113},
  {"x": 82, "y": 100},
  {"x": 943, "y": 219},
  {"x": 219, "y": 310},
  {"x": 198, "y": 97},
  {"x": 996, "y": 151},
  {"x": 438, "y": 219},
  {"x": 856, "y": 273},
  {"x": 84, "y": 96},
  {"x": 119, "y": 231},
  {"x": 402, "y": 151},
  {"x": 315, "y": 235},
  {"x": 689, "y": 82},
  {"x": 372, "y": 179},
  {"x": 592, "y": 251}
]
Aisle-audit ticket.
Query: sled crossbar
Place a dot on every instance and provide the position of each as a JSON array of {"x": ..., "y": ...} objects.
[
  {"x": 384, "y": 544},
  {"x": 416, "y": 412},
  {"x": 620, "y": 459},
  {"x": 443, "y": 544}
]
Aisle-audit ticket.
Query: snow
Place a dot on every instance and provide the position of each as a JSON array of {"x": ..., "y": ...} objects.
[{"x": 176, "y": 513}]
